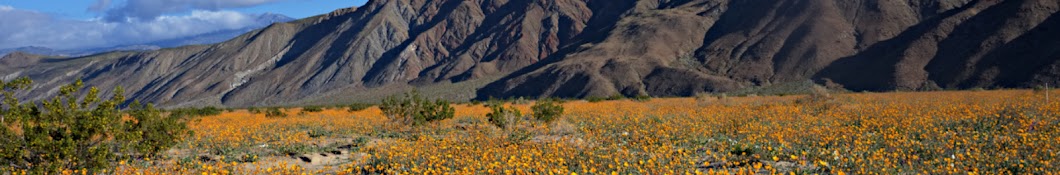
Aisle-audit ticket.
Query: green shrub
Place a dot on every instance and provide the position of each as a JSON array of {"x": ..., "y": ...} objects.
[
  {"x": 475, "y": 102},
  {"x": 254, "y": 110},
  {"x": 317, "y": 132},
  {"x": 274, "y": 113},
  {"x": 616, "y": 97},
  {"x": 930, "y": 86},
  {"x": 547, "y": 110},
  {"x": 1040, "y": 88},
  {"x": 642, "y": 98},
  {"x": 519, "y": 101},
  {"x": 196, "y": 112},
  {"x": 594, "y": 99},
  {"x": 358, "y": 107},
  {"x": 72, "y": 131},
  {"x": 312, "y": 109},
  {"x": 818, "y": 94},
  {"x": 412, "y": 109},
  {"x": 502, "y": 117},
  {"x": 150, "y": 133}
]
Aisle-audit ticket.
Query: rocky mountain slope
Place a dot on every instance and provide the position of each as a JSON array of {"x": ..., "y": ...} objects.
[{"x": 582, "y": 48}]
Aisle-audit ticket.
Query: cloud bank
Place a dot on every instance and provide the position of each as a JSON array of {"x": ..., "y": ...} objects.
[
  {"x": 143, "y": 21},
  {"x": 138, "y": 10},
  {"x": 29, "y": 28}
]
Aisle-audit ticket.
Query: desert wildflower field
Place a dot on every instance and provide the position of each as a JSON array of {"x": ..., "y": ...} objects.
[{"x": 949, "y": 132}]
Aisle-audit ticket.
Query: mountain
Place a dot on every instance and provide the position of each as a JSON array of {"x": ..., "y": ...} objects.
[
  {"x": 206, "y": 38},
  {"x": 31, "y": 49},
  {"x": 463, "y": 49}
]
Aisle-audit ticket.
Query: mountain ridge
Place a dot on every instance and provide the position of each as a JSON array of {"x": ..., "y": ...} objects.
[{"x": 587, "y": 48}]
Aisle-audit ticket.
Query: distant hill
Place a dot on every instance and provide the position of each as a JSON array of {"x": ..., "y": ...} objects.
[{"x": 463, "y": 49}]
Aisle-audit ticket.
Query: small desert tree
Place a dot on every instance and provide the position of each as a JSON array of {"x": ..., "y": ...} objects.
[
  {"x": 504, "y": 118},
  {"x": 547, "y": 110},
  {"x": 412, "y": 109}
]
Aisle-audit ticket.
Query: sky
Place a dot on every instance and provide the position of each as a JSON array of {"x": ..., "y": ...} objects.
[{"x": 81, "y": 24}]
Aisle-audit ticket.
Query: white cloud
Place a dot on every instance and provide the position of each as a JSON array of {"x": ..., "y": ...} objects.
[
  {"x": 6, "y": 8},
  {"x": 29, "y": 28},
  {"x": 150, "y": 9}
]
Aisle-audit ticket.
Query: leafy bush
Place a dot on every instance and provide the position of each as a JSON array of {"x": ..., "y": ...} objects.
[
  {"x": 274, "y": 113},
  {"x": 642, "y": 98},
  {"x": 150, "y": 133},
  {"x": 547, "y": 110},
  {"x": 614, "y": 97},
  {"x": 502, "y": 117},
  {"x": 358, "y": 107},
  {"x": 595, "y": 99},
  {"x": 67, "y": 133},
  {"x": 818, "y": 94},
  {"x": 312, "y": 109},
  {"x": 254, "y": 110},
  {"x": 199, "y": 112},
  {"x": 412, "y": 109},
  {"x": 519, "y": 101}
]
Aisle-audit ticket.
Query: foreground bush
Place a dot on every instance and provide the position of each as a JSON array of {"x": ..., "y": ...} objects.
[
  {"x": 150, "y": 133},
  {"x": 547, "y": 110},
  {"x": 412, "y": 109},
  {"x": 67, "y": 133}
]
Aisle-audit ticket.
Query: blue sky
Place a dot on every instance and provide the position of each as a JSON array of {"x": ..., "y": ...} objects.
[
  {"x": 106, "y": 23},
  {"x": 79, "y": 9}
]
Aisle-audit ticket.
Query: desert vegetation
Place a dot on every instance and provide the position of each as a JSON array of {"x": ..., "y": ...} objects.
[
  {"x": 820, "y": 132},
  {"x": 80, "y": 132}
]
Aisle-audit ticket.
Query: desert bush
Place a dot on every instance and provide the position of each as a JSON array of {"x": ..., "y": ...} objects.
[
  {"x": 274, "y": 113},
  {"x": 502, "y": 117},
  {"x": 1039, "y": 88},
  {"x": 594, "y": 99},
  {"x": 358, "y": 107},
  {"x": 704, "y": 98},
  {"x": 817, "y": 94},
  {"x": 642, "y": 98},
  {"x": 71, "y": 131},
  {"x": 930, "y": 86},
  {"x": 412, "y": 109},
  {"x": 547, "y": 110},
  {"x": 608, "y": 98},
  {"x": 475, "y": 102},
  {"x": 196, "y": 112},
  {"x": 254, "y": 110},
  {"x": 312, "y": 109},
  {"x": 149, "y": 132},
  {"x": 519, "y": 101}
]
